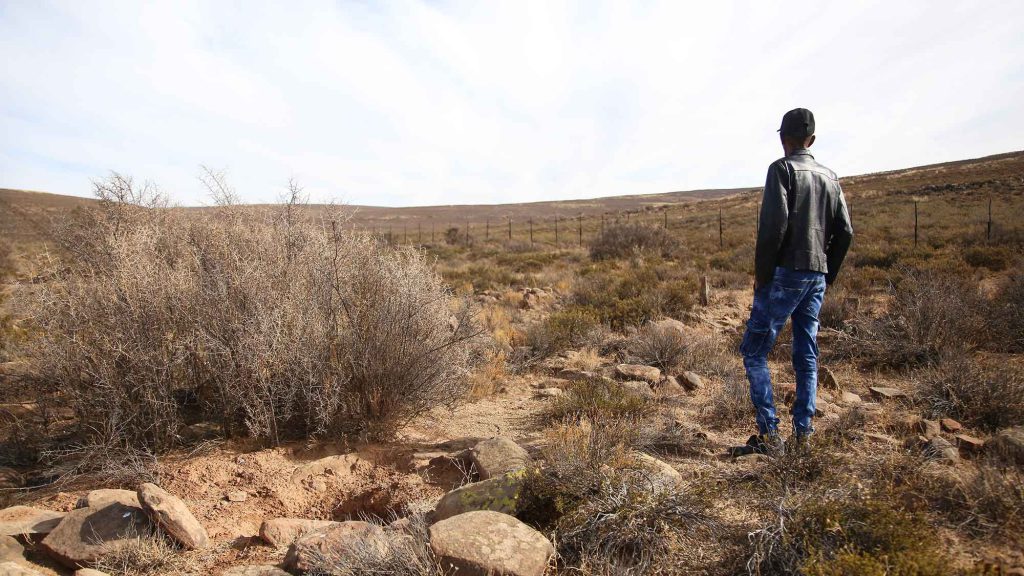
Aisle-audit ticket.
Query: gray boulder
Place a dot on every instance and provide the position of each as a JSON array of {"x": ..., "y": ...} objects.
[
  {"x": 18, "y": 520},
  {"x": 280, "y": 532},
  {"x": 486, "y": 543},
  {"x": 1008, "y": 444},
  {"x": 497, "y": 456},
  {"x": 639, "y": 372},
  {"x": 170, "y": 513},
  {"x": 499, "y": 494},
  {"x": 305, "y": 553},
  {"x": 87, "y": 534}
]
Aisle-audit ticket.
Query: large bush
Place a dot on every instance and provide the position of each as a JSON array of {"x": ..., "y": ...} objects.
[
  {"x": 267, "y": 324},
  {"x": 625, "y": 240}
]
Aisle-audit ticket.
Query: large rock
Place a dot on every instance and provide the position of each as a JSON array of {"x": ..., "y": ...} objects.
[
  {"x": 639, "y": 388},
  {"x": 304, "y": 554},
  {"x": 849, "y": 398},
  {"x": 691, "y": 381},
  {"x": 87, "y": 534},
  {"x": 1009, "y": 444},
  {"x": 938, "y": 448},
  {"x": 16, "y": 569},
  {"x": 10, "y": 549},
  {"x": 170, "y": 513},
  {"x": 90, "y": 572},
  {"x": 486, "y": 543},
  {"x": 887, "y": 393},
  {"x": 827, "y": 378},
  {"x": 497, "y": 456},
  {"x": 670, "y": 326},
  {"x": 18, "y": 520},
  {"x": 661, "y": 475},
  {"x": 257, "y": 570},
  {"x": 104, "y": 496},
  {"x": 280, "y": 532},
  {"x": 499, "y": 494},
  {"x": 639, "y": 372}
]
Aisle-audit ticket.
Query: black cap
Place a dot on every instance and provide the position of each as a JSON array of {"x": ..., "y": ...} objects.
[{"x": 798, "y": 122}]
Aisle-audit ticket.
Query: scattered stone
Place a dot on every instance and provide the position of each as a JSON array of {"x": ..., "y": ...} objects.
[
  {"x": 639, "y": 388},
  {"x": 486, "y": 543},
  {"x": 304, "y": 553},
  {"x": 823, "y": 408},
  {"x": 1009, "y": 444},
  {"x": 969, "y": 444},
  {"x": 89, "y": 572},
  {"x": 18, "y": 520},
  {"x": 10, "y": 549},
  {"x": 237, "y": 496},
  {"x": 574, "y": 375},
  {"x": 281, "y": 532},
  {"x": 170, "y": 513},
  {"x": 550, "y": 392},
  {"x": 670, "y": 387},
  {"x": 258, "y": 570},
  {"x": 849, "y": 398},
  {"x": 87, "y": 534},
  {"x": 691, "y": 381},
  {"x": 938, "y": 448},
  {"x": 499, "y": 494},
  {"x": 11, "y": 478},
  {"x": 928, "y": 428},
  {"x": 881, "y": 438},
  {"x": 887, "y": 393},
  {"x": 670, "y": 325},
  {"x": 827, "y": 378},
  {"x": 16, "y": 569},
  {"x": 103, "y": 496},
  {"x": 662, "y": 475},
  {"x": 497, "y": 456},
  {"x": 639, "y": 372},
  {"x": 950, "y": 425}
]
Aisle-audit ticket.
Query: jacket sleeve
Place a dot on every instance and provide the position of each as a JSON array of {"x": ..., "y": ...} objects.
[
  {"x": 773, "y": 223},
  {"x": 842, "y": 237}
]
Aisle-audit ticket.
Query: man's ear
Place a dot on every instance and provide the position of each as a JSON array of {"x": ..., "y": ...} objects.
[{"x": 810, "y": 141}]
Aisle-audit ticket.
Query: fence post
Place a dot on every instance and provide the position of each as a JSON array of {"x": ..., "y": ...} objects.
[
  {"x": 405, "y": 233},
  {"x": 419, "y": 233},
  {"x": 487, "y": 230},
  {"x": 988, "y": 229},
  {"x": 531, "y": 232},
  {"x": 509, "y": 228},
  {"x": 431, "y": 231},
  {"x": 556, "y": 231},
  {"x": 721, "y": 242},
  {"x": 579, "y": 228},
  {"x": 666, "y": 219},
  {"x": 602, "y": 222},
  {"x": 467, "y": 232},
  {"x": 915, "y": 223}
]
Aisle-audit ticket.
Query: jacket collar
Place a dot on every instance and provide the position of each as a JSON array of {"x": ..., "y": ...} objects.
[{"x": 802, "y": 152}]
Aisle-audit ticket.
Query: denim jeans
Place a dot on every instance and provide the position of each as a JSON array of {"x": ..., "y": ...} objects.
[{"x": 792, "y": 293}]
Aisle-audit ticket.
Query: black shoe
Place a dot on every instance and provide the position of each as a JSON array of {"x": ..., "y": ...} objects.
[
  {"x": 770, "y": 444},
  {"x": 801, "y": 442}
]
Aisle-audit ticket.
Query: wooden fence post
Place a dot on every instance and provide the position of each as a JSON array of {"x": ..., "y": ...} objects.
[
  {"x": 988, "y": 228},
  {"x": 579, "y": 228},
  {"x": 915, "y": 223},
  {"x": 531, "y": 232},
  {"x": 721, "y": 242}
]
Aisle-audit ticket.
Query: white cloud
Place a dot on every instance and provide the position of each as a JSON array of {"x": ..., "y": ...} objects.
[{"x": 423, "y": 103}]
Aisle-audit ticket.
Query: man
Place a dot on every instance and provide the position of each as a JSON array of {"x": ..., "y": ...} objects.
[{"x": 804, "y": 234}]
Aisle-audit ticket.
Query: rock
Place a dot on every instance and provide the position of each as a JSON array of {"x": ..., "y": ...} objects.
[
  {"x": 662, "y": 475},
  {"x": 1009, "y": 444},
  {"x": 880, "y": 438},
  {"x": 823, "y": 408},
  {"x": 11, "y": 478},
  {"x": 639, "y": 372},
  {"x": 670, "y": 325},
  {"x": 87, "y": 534},
  {"x": 928, "y": 428},
  {"x": 486, "y": 543},
  {"x": 89, "y": 572},
  {"x": 639, "y": 388},
  {"x": 336, "y": 539},
  {"x": 670, "y": 387},
  {"x": 10, "y": 549},
  {"x": 497, "y": 456},
  {"x": 341, "y": 465},
  {"x": 257, "y": 570},
  {"x": 172, "y": 515},
  {"x": 574, "y": 375},
  {"x": 499, "y": 494},
  {"x": 16, "y": 569},
  {"x": 691, "y": 381},
  {"x": 938, "y": 448},
  {"x": 18, "y": 520},
  {"x": 237, "y": 496},
  {"x": 102, "y": 496},
  {"x": 281, "y": 532},
  {"x": 550, "y": 392},
  {"x": 886, "y": 393},
  {"x": 827, "y": 378},
  {"x": 849, "y": 398},
  {"x": 969, "y": 444},
  {"x": 950, "y": 425}
]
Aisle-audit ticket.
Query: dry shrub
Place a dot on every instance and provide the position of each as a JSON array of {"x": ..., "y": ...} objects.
[
  {"x": 930, "y": 313},
  {"x": 147, "y": 555},
  {"x": 572, "y": 327},
  {"x": 729, "y": 403},
  {"x": 635, "y": 294},
  {"x": 265, "y": 323},
  {"x": 596, "y": 400},
  {"x": 994, "y": 258},
  {"x": 627, "y": 240},
  {"x": 489, "y": 373},
  {"x": 986, "y": 395},
  {"x": 393, "y": 552},
  {"x": 1005, "y": 321},
  {"x": 655, "y": 346}
]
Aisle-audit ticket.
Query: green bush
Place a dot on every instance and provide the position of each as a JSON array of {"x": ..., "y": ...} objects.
[
  {"x": 627, "y": 240},
  {"x": 596, "y": 400},
  {"x": 563, "y": 330},
  {"x": 994, "y": 258}
]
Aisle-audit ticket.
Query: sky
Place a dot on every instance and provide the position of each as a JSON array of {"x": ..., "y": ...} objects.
[{"x": 411, "y": 103}]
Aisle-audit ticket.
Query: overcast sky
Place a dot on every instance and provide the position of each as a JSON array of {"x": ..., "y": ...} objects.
[{"x": 417, "y": 103}]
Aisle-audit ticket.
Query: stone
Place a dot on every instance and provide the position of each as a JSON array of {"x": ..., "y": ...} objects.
[
  {"x": 823, "y": 408},
  {"x": 887, "y": 393},
  {"x": 89, "y": 572},
  {"x": 18, "y": 520},
  {"x": 950, "y": 425},
  {"x": 1008, "y": 444},
  {"x": 827, "y": 378},
  {"x": 849, "y": 398},
  {"x": 281, "y": 532},
  {"x": 16, "y": 569},
  {"x": 340, "y": 465},
  {"x": 661, "y": 474},
  {"x": 87, "y": 534},
  {"x": 172, "y": 515},
  {"x": 237, "y": 496},
  {"x": 938, "y": 448},
  {"x": 670, "y": 387},
  {"x": 670, "y": 325},
  {"x": 100, "y": 497},
  {"x": 639, "y": 372},
  {"x": 11, "y": 478},
  {"x": 255, "y": 570},
  {"x": 496, "y": 456},
  {"x": 639, "y": 388},
  {"x": 928, "y": 428},
  {"x": 10, "y": 549},
  {"x": 550, "y": 392},
  {"x": 880, "y": 438},
  {"x": 486, "y": 543},
  {"x": 691, "y": 381},
  {"x": 499, "y": 494},
  {"x": 969, "y": 444},
  {"x": 574, "y": 375},
  {"x": 304, "y": 553}
]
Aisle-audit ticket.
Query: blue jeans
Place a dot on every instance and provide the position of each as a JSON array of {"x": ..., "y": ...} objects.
[{"x": 792, "y": 293}]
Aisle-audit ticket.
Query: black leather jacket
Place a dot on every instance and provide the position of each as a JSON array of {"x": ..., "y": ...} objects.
[{"x": 805, "y": 224}]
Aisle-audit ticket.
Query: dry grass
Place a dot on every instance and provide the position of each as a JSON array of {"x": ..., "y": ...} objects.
[
  {"x": 629, "y": 240},
  {"x": 986, "y": 395},
  {"x": 392, "y": 552}
]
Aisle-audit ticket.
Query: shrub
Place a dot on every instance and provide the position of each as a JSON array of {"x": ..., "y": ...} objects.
[
  {"x": 569, "y": 328},
  {"x": 989, "y": 396},
  {"x": 265, "y": 324},
  {"x": 994, "y": 258},
  {"x": 1005, "y": 325},
  {"x": 730, "y": 402},
  {"x": 636, "y": 294},
  {"x": 655, "y": 346},
  {"x": 626, "y": 240},
  {"x": 596, "y": 400},
  {"x": 405, "y": 553}
]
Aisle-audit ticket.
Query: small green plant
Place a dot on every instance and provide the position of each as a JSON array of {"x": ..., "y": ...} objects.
[
  {"x": 562, "y": 330},
  {"x": 596, "y": 400}
]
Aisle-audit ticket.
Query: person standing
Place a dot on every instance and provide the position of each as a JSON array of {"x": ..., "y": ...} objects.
[{"x": 804, "y": 234}]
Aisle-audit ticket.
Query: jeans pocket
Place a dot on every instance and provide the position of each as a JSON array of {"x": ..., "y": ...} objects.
[{"x": 754, "y": 342}]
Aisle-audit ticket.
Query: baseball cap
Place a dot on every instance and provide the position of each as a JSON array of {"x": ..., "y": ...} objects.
[{"x": 798, "y": 122}]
